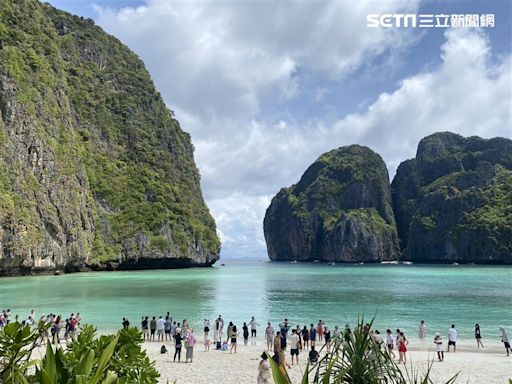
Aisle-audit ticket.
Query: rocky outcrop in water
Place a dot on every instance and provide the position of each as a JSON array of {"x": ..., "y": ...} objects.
[
  {"x": 340, "y": 210},
  {"x": 95, "y": 173},
  {"x": 453, "y": 202}
]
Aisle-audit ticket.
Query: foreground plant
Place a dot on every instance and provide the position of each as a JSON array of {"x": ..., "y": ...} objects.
[
  {"x": 88, "y": 359},
  {"x": 99, "y": 360},
  {"x": 16, "y": 345},
  {"x": 356, "y": 359}
]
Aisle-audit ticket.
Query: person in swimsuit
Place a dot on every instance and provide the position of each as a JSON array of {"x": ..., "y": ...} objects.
[
  {"x": 233, "y": 335},
  {"x": 327, "y": 337},
  {"x": 478, "y": 336},
  {"x": 320, "y": 330},
  {"x": 402, "y": 348}
]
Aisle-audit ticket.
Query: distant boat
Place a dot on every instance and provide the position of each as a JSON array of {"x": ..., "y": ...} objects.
[
  {"x": 361, "y": 263},
  {"x": 223, "y": 265},
  {"x": 332, "y": 263},
  {"x": 407, "y": 262},
  {"x": 389, "y": 262},
  {"x": 316, "y": 261},
  {"x": 455, "y": 263},
  {"x": 294, "y": 262}
]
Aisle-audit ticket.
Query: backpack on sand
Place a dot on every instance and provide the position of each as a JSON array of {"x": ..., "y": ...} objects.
[{"x": 163, "y": 349}]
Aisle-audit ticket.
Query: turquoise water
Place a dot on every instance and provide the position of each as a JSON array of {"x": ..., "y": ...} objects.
[{"x": 400, "y": 295}]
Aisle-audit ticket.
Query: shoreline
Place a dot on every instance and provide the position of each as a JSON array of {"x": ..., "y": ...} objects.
[{"x": 159, "y": 264}]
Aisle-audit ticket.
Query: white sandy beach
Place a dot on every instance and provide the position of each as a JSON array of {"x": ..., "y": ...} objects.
[{"x": 490, "y": 366}]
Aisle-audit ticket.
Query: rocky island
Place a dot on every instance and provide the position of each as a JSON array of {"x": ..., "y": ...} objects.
[
  {"x": 95, "y": 172},
  {"x": 453, "y": 201},
  {"x": 340, "y": 210}
]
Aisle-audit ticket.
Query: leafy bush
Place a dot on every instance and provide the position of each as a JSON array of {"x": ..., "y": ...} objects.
[{"x": 88, "y": 359}]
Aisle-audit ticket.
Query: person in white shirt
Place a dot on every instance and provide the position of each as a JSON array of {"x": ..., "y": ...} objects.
[
  {"x": 390, "y": 341},
  {"x": 253, "y": 323},
  {"x": 452, "y": 337},
  {"x": 160, "y": 328},
  {"x": 294, "y": 345}
]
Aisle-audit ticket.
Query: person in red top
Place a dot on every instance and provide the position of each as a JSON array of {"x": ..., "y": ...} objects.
[
  {"x": 402, "y": 348},
  {"x": 320, "y": 330},
  {"x": 74, "y": 323}
]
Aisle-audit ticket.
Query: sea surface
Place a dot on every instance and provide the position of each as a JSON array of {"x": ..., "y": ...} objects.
[{"x": 399, "y": 296}]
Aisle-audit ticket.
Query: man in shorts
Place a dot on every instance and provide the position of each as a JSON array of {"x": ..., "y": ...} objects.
[
  {"x": 144, "y": 325},
  {"x": 160, "y": 328},
  {"x": 167, "y": 328},
  {"x": 390, "y": 341},
  {"x": 294, "y": 345},
  {"x": 452, "y": 337},
  {"x": 152, "y": 328}
]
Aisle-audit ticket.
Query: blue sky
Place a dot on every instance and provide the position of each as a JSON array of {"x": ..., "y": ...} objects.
[{"x": 265, "y": 87}]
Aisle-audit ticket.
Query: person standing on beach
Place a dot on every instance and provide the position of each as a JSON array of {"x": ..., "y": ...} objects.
[
  {"x": 312, "y": 335},
  {"x": 177, "y": 345},
  {"x": 221, "y": 327},
  {"x": 284, "y": 328},
  {"x": 152, "y": 328},
  {"x": 173, "y": 330},
  {"x": 264, "y": 372},
  {"x": 438, "y": 341},
  {"x": 191, "y": 341},
  {"x": 230, "y": 328},
  {"x": 167, "y": 327},
  {"x": 245, "y": 330},
  {"x": 269, "y": 335},
  {"x": 300, "y": 336},
  {"x": 422, "y": 332},
  {"x": 125, "y": 323},
  {"x": 277, "y": 345},
  {"x": 389, "y": 343},
  {"x": 452, "y": 337},
  {"x": 402, "y": 348},
  {"x": 505, "y": 339},
  {"x": 478, "y": 336},
  {"x": 253, "y": 323},
  {"x": 144, "y": 324},
  {"x": 305, "y": 337},
  {"x": 327, "y": 338},
  {"x": 216, "y": 329},
  {"x": 320, "y": 330},
  {"x": 294, "y": 345},
  {"x": 233, "y": 335},
  {"x": 206, "y": 328},
  {"x": 160, "y": 328}
]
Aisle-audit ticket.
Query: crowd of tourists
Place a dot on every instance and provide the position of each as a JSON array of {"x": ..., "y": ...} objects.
[
  {"x": 225, "y": 336},
  {"x": 57, "y": 326}
]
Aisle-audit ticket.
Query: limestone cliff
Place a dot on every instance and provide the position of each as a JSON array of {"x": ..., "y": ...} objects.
[
  {"x": 453, "y": 202},
  {"x": 94, "y": 170},
  {"x": 340, "y": 210}
]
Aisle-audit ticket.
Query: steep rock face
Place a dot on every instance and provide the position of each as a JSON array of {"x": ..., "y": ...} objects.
[
  {"x": 340, "y": 210},
  {"x": 453, "y": 202},
  {"x": 94, "y": 170}
]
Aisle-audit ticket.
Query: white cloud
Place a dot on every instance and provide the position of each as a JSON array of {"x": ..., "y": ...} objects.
[{"x": 220, "y": 65}]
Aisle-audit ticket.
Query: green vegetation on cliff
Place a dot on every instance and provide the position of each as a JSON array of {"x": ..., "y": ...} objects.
[
  {"x": 93, "y": 166},
  {"x": 340, "y": 210},
  {"x": 453, "y": 202}
]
